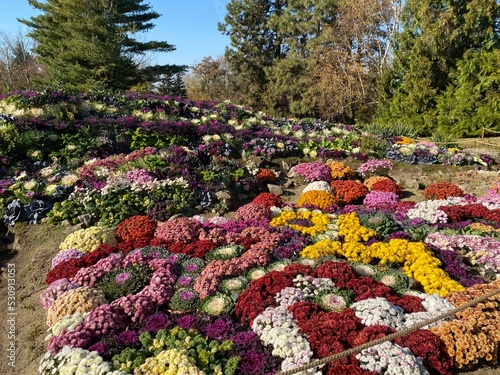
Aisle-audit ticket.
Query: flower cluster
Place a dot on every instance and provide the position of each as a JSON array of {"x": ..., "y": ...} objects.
[
  {"x": 388, "y": 186},
  {"x": 268, "y": 199},
  {"x": 136, "y": 227},
  {"x": 78, "y": 300},
  {"x": 368, "y": 182},
  {"x": 316, "y": 198},
  {"x": 86, "y": 240},
  {"x": 252, "y": 210},
  {"x": 306, "y": 222},
  {"x": 348, "y": 191},
  {"x": 380, "y": 199},
  {"x": 442, "y": 190},
  {"x": 180, "y": 229},
  {"x": 266, "y": 175},
  {"x": 75, "y": 361},
  {"x": 474, "y": 334},
  {"x": 374, "y": 167},
  {"x": 315, "y": 171},
  {"x": 340, "y": 171}
]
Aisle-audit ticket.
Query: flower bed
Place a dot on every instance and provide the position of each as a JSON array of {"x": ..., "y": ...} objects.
[{"x": 270, "y": 288}]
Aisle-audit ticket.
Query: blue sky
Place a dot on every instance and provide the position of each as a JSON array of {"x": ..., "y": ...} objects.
[{"x": 190, "y": 25}]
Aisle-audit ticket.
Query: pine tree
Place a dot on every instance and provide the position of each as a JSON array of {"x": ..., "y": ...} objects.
[
  {"x": 89, "y": 44},
  {"x": 254, "y": 44},
  {"x": 437, "y": 38}
]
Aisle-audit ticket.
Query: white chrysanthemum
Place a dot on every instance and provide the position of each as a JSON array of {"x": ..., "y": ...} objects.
[
  {"x": 391, "y": 359},
  {"x": 318, "y": 185},
  {"x": 379, "y": 311}
]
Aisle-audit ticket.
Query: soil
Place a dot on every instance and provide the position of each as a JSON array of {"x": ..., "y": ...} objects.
[{"x": 30, "y": 249}]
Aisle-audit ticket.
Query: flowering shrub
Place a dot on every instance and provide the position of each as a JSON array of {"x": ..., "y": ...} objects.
[
  {"x": 368, "y": 182},
  {"x": 306, "y": 222},
  {"x": 252, "y": 210},
  {"x": 136, "y": 227},
  {"x": 80, "y": 300},
  {"x": 266, "y": 175},
  {"x": 315, "y": 171},
  {"x": 340, "y": 171},
  {"x": 380, "y": 199},
  {"x": 442, "y": 190},
  {"x": 349, "y": 191},
  {"x": 181, "y": 229},
  {"x": 475, "y": 332},
  {"x": 86, "y": 240},
  {"x": 374, "y": 166},
  {"x": 318, "y": 185},
  {"x": 317, "y": 198},
  {"x": 388, "y": 186},
  {"x": 268, "y": 199}
]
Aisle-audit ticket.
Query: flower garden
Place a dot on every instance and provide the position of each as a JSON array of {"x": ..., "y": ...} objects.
[{"x": 183, "y": 262}]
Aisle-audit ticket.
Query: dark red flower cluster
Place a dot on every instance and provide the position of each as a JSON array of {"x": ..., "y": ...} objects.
[
  {"x": 266, "y": 175},
  {"x": 340, "y": 272},
  {"x": 198, "y": 248},
  {"x": 442, "y": 190},
  {"x": 303, "y": 311},
  {"x": 388, "y": 186},
  {"x": 365, "y": 287},
  {"x": 332, "y": 332},
  {"x": 410, "y": 304},
  {"x": 260, "y": 295},
  {"x": 426, "y": 345},
  {"x": 348, "y": 191},
  {"x": 268, "y": 200},
  {"x": 135, "y": 227},
  {"x": 127, "y": 246},
  {"x": 371, "y": 333},
  {"x": 70, "y": 267},
  {"x": 473, "y": 211}
]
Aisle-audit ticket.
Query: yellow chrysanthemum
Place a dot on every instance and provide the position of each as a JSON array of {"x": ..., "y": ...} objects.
[{"x": 317, "y": 220}]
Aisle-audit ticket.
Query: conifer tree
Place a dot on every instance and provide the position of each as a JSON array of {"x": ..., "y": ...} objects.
[
  {"x": 439, "y": 48},
  {"x": 90, "y": 44}
]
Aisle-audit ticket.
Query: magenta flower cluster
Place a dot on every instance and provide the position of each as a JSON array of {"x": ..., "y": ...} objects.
[
  {"x": 380, "y": 199},
  {"x": 315, "y": 171},
  {"x": 374, "y": 166}
]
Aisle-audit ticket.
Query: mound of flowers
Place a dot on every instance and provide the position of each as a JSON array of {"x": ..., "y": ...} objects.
[{"x": 272, "y": 289}]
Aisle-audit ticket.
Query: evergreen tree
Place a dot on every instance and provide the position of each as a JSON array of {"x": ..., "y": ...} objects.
[
  {"x": 439, "y": 41},
  {"x": 89, "y": 44},
  {"x": 254, "y": 43},
  {"x": 172, "y": 85}
]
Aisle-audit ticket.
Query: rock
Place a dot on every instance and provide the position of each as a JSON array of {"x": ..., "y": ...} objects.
[
  {"x": 411, "y": 184},
  {"x": 275, "y": 189},
  {"x": 289, "y": 184},
  {"x": 173, "y": 217},
  {"x": 254, "y": 162},
  {"x": 285, "y": 166},
  {"x": 223, "y": 195},
  {"x": 85, "y": 219}
]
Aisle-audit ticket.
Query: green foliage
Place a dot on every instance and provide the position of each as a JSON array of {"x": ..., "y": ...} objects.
[
  {"x": 9, "y": 137},
  {"x": 444, "y": 139},
  {"x": 142, "y": 138},
  {"x": 472, "y": 101},
  {"x": 380, "y": 223},
  {"x": 129, "y": 359},
  {"x": 445, "y": 70},
  {"x": 89, "y": 45},
  {"x": 390, "y": 129}
]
